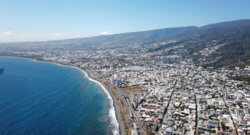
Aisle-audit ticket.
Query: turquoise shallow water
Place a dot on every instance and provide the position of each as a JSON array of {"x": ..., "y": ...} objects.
[{"x": 39, "y": 98}]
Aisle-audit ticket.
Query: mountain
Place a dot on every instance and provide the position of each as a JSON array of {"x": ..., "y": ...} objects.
[
  {"x": 233, "y": 39},
  {"x": 117, "y": 40},
  {"x": 225, "y": 44},
  {"x": 132, "y": 39}
]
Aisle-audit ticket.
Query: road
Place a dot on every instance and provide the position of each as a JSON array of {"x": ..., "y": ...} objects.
[
  {"x": 230, "y": 113},
  {"x": 137, "y": 120},
  {"x": 196, "y": 115},
  {"x": 166, "y": 108}
]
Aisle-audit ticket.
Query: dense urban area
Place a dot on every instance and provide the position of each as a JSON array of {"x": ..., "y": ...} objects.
[{"x": 162, "y": 89}]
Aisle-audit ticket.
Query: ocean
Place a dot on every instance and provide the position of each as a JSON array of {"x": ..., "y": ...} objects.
[{"x": 41, "y": 98}]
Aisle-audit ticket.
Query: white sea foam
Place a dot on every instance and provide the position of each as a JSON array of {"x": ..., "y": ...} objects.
[{"x": 112, "y": 114}]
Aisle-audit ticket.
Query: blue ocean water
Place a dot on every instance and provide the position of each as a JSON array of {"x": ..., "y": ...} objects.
[{"x": 39, "y": 98}]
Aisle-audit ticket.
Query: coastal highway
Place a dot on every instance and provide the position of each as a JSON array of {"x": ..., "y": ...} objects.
[{"x": 137, "y": 121}]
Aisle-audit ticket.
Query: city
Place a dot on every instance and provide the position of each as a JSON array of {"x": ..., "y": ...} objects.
[
  {"x": 125, "y": 67},
  {"x": 165, "y": 94}
]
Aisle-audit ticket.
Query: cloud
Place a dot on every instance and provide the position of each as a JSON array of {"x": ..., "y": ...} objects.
[
  {"x": 57, "y": 34},
  {"x": 105, "y": 33},
  {"x": 7, "y": 33}
]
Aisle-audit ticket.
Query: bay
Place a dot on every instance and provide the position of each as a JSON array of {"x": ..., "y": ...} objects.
[{"x": 39, "y": 98}]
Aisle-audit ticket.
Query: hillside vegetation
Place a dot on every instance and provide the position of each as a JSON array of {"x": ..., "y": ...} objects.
[{"x": 229, "y": 40}]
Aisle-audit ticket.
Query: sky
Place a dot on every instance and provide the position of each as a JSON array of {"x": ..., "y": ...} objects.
[{"x": 38, "y": 20}]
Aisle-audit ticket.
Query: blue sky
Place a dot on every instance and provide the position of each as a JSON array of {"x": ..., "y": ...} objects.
[{"x": 29, "y": 20}]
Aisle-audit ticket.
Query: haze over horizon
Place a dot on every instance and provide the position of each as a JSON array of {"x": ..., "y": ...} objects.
[
  {"x": 125, "y": 67},
  {"x": 50, "y": 20}
]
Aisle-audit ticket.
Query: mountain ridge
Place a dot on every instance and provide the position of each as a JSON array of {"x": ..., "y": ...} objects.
[{"x": 231, "y": 40}]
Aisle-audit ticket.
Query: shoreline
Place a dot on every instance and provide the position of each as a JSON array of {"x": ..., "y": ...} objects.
[
  {"x": 115, "y": 104},
  {"x": 115, "y": 109}
]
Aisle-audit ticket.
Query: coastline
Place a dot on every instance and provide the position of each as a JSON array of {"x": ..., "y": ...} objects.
[
  {"x": 115, "y": 110},
  {"x": 115, "y": 104}
]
